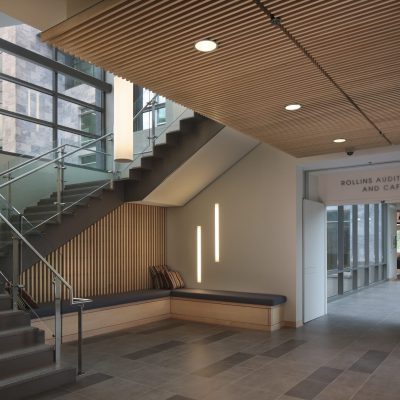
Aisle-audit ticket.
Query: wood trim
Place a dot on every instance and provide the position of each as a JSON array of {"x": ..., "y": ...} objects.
[
  {"x": 108, "y": 319},
  {"x": 111, "y": 256},
  {"x": 225, "y": 313}
]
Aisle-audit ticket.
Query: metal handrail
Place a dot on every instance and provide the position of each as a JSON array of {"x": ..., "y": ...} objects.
[
  {"x": 31, "y": 160},
  {"x": 145, "y": 106},
  {"x": 48, "y": 265},
  {"x": 54, "y": 161},
  {"x": 69, "y": 206}
]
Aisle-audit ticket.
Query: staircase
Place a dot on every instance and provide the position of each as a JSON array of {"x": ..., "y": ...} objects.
[
  {"x": 26, "y": 364},
  {"x": 179, "y": 146}
]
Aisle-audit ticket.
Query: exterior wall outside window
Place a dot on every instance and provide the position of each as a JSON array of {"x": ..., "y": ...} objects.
[{"x": 355, "y": 247}]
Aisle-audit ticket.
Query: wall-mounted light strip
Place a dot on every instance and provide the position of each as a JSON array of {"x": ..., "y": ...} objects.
[
  {"x": 198, "y": 234},
  {"x": 216, "y": 232}
]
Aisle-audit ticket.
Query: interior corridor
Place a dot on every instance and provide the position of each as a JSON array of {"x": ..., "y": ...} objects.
[{"x": 351, "y": 353}]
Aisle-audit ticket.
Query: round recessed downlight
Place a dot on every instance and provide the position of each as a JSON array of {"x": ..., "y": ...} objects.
[
  {"x": 339, "y": 140},
  {"x": 293, "y": 107},
  {"x": 206, "y": 45}
]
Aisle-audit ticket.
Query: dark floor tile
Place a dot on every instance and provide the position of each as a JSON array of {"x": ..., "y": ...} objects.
[
  {"x": 88, "y": 380},
  {"x": 369, "y": 361},
  {"x": 50, "y": 395},
  {"x": 215, "y": 338},
  {"x": 284, "y": 348},
  {"x": 307, "y": 389},
  {"x": 325, "y": 374},
  {"x": 153, "y": 350},
  {"x": 223, "y": 365},
  {"x": 178, "y": 397},
  {"x": 164, "y": 327}
]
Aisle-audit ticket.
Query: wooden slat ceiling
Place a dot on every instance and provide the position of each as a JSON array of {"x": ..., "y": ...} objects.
[{"x": 352, "y": 90}]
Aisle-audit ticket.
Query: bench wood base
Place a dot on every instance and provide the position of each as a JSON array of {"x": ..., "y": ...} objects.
[
  {"x": 224, "y": 313},
  {"x": 109, "y": 319}
]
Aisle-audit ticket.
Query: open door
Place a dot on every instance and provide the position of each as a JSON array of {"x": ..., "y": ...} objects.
[{"x": 314, "y": 260}]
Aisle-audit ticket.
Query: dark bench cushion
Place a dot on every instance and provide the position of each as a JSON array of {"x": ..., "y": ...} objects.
[
  {"x": 47, "y": 309},
  {"x": 233, "y": 297}
]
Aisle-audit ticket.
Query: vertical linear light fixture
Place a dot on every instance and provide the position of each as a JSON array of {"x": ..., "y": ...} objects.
[
  {"x": 198, "y": 237},
  {"x": 216, "y": 232},
  {"x": 123, "y": 120}
]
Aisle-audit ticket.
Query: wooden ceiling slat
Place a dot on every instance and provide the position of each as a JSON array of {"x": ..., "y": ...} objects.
[{"x": 256, "y": 70}]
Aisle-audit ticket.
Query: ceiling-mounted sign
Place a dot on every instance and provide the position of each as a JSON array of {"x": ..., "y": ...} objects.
[{"x": 360, "y": 185}]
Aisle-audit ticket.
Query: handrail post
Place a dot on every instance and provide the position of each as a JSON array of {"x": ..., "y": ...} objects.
[
  {"x": 16, "y": 264},
  {"x": 153, "y": 121},
  {"x": 57, "y": 324},
  {"x": 60, "y": 165},
  {"x": 80, "y": 339}
]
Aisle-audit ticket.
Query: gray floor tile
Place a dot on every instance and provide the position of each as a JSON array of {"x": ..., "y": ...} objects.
[
  {"x": 306, "y": 389},
  {"x": 88, "y": 380},
  {"x": 369, "y": 361},
  {"x": 223, "y": 365},
  {"x": 284, "y": 348},
  {"x": 325, "y": 374},
  {"x": 215, "y": 338},
  {"x": 153, "y": 350}
]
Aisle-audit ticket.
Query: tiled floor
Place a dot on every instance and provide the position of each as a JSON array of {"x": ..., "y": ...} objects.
[{"x": 352, "y": 353}]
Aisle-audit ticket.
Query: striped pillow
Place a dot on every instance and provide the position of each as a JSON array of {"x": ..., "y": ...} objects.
[
  {"x": 175, "y": 280},
  {"x": 159, "y": 276}
]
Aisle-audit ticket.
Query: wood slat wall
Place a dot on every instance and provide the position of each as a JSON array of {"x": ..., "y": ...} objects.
[{"x": 111, "y": 256}]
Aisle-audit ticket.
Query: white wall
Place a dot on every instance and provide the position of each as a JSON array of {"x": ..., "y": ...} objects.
[{"x": 260, "y": 217}]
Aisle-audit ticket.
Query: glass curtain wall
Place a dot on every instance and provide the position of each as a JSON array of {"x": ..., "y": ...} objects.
[
  {"x": 41, "y": 107},
  {"x": 356, "y": 247}
]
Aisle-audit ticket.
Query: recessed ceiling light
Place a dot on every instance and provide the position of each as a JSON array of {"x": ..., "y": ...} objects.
[
  {"x": 293, "y": 107},
  {"x": 206, "y": 45},
  {"x": 339, "y": 140}
]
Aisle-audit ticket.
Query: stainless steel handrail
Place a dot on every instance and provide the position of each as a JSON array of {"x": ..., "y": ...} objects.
[
  {"x": 54, "y": 161},
  {"x": 70, "y": 205},
  {"x": 48, "y": 265},
  {"x": 31, "y": 160},
  {"x": 153, "y": 99}
]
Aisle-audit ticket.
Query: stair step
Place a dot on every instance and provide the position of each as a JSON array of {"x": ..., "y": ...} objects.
[
  {"x": 71, "y": 198},
  {"x": 187, "y": 125},
  {"x": 23, "y": 360},
  {"x": 85, "y": 184},
  {"x": 10, "y": 319},
  {"x": 148, "y": 162},
  {"x": 13, "y": 339},
  {"x": 32, "y": 383},
  {"x": 82, "y": 190},
  {"x": 173, "y": 138},
  {"x": 160, "y": 150},
  {"x": 138, "y": 173},
  {"x": 5, "y": 302}
]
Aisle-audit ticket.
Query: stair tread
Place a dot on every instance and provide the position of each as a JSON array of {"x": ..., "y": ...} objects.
[
  {"x": 31, "y": 375},
  {"x": 4, "y": 296},
  {"x": 15, "y": 331},
  {"x": 7, "y": 313},
  {"x": 24, "y": 351}
]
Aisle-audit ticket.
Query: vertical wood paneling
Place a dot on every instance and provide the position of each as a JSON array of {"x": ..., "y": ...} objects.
[{"x": 111, "y": 256}]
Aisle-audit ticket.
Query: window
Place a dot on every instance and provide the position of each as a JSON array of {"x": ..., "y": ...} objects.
[
  {"x": 354, "y": 232},
  {"x": 41, "y": 107}
]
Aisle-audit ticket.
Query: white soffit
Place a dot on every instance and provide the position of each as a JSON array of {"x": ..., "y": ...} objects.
[{"x": 212, "y": 160}]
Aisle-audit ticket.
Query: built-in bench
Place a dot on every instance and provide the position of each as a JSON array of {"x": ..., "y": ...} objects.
[
  {"x": 248, "y": 310},
  {"x": 114, "y": 312}
]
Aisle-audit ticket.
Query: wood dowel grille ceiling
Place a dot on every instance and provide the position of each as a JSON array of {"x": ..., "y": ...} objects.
[
  {"x": 111, "y": 256},
  {"x": 257, "y": 68}
]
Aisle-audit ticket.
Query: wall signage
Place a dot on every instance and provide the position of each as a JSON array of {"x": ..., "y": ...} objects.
[{"x": 361, "y": 185}]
